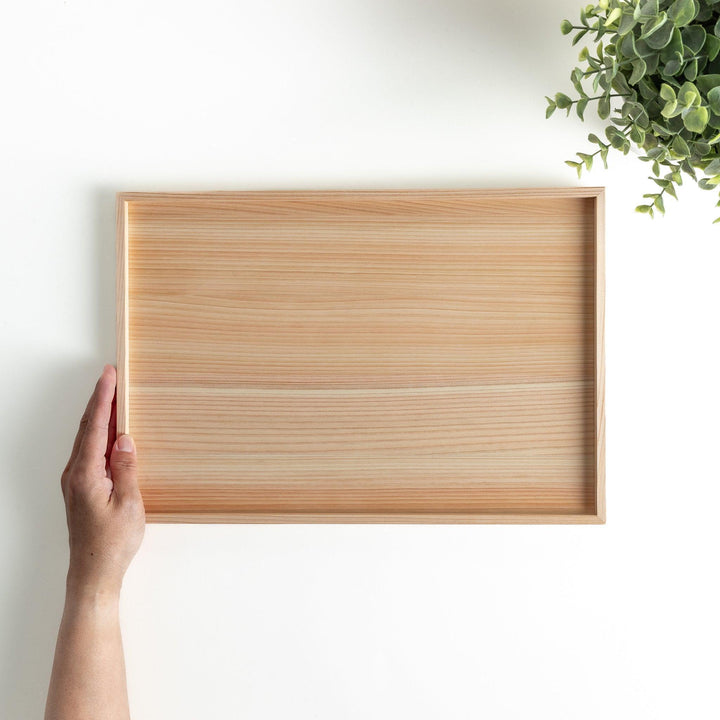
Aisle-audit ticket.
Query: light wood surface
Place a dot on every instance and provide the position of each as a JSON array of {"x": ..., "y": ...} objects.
[{"x": 369, "y": 356}]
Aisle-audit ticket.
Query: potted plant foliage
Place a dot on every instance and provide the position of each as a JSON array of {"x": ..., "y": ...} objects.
[{"x": 653, "y": 71}]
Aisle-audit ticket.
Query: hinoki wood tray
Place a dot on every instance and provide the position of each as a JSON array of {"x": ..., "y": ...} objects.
[{"x": 371, "y": 356}]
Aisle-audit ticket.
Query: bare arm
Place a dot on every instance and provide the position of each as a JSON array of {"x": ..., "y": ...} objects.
[{"x": 106, "y": 521}]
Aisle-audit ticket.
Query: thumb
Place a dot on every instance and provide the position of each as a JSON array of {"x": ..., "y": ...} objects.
[{"x": 123, "y": 467}]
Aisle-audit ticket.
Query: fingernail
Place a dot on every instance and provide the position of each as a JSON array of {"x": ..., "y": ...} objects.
[{"x": 125, "y": 443}]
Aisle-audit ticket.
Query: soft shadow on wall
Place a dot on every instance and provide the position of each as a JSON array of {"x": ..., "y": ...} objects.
[{"x": 46, "y": 409}]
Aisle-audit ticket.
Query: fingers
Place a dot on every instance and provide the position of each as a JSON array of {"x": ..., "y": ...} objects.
[
  {"x": 93, "y": 434},
  {"x": 83, "y": 425},
  {"x": 112, "y": 433},
  {"x": 123, "y": 468}
]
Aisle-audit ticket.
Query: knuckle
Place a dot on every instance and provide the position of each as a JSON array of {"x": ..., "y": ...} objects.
[
  {"x": 125, "y": 460},
  {"x": 125, "y": 466},
  {"x": 96, "y": 426}
]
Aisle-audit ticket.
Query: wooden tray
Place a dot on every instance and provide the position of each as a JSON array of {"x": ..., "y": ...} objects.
[{"x": 371, "y": 356}]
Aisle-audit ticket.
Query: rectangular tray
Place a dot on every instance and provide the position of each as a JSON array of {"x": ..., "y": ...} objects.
[{"x": 370, "y": 356}]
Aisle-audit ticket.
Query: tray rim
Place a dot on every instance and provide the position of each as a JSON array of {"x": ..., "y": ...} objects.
[{"x": 596, "y": 193}]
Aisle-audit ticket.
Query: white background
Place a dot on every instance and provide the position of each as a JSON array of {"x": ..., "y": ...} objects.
[{"x": 330, "y": 622}]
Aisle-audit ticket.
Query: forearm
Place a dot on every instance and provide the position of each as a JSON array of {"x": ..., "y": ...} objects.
[
  {"x": 106, "y": 522},
  {"x": 88, "y": 675}
]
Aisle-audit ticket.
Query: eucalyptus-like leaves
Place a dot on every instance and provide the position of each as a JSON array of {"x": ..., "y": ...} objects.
[{"x": 653, "y": 71}]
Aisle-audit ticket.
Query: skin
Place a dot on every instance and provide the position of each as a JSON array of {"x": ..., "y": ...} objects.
[{"x": 106, "y": 523}]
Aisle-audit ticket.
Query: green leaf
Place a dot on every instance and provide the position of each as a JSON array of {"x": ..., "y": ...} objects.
[
  {"x": 652, "y": 62},
  {"x": 593, "y": 138},
  {"x": 689, "y": 169},
  {"x": 646, "y": 9},
  {"x": 716, "y": 220},
  {"x": 584, "y": 54},
  {"x": 713, "y": 167},
  {"x": 603, "y": 108},
  {"x": 618, "y": 141},
  {"x": 579, "y": 37},
  {"x": 706, "y": 83},
  {"x": 627, "y": 46},
  {"x": 689, "y": 95},
  {"x": 667, "y": 92},
  {"x": 566, "y": 27},
  {"x": 714, "y": 100},
  {"x": 603, "y": 155},
  {"x": 576, "y": 77},
  {"x": 682, "y": 12},
  {"x": 671, "y": 109},
  {"x": 580, "y": 108},
  {"x": 637, "y": 135},
  {"x": 562, "y": 100},
  {"x": 621, "y": 85},
  {"x": 674, "y": 65},
  {"x": 694, "y": 37},
  {"x": 550, "y": 109},
  {"x": 696, "y": 119},
  {"x": 654, "y": 25},
  {"x": 578, "y": 166},
  {"x": 659, "y": 204},
  {"x": 627, "y": 23},
  {"x": 587, "y": 159},
  {"x": 644, "y": 209},
  {"x": 680, "y": 147},
  {"x": 647, "y": 89},
  {"x": 657, "y": 153},
  {"x": 675, "y": 45},
  {"x": 638, "y": 70},
  {"x": 711, "y": 47},
  {"x": 659, "y": 37},
  {"x": 716, "y": 29},
  {"x": 691, "y": 70},
  {"x": 670, "y": 190},
  {"x": 661, "y": 182},
  {"x": 614, "y": 15},
  {"x": 643, "y": 49}
]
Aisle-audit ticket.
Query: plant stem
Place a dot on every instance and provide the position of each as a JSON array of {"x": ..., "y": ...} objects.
[
  {"x": 597, "y": 97},
  {"x": 605, "y": 67}
]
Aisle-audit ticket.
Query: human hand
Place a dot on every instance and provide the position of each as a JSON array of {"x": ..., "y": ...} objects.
[{"x": 104, "y": 508}]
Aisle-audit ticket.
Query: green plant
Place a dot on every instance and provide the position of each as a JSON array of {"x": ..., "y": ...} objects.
[{"x": 655, "y": 73}]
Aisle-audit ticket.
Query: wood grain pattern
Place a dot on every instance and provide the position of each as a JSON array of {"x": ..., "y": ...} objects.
[
  {"x": 370, "y": 356},
  {"x": 122, "y": 305}
]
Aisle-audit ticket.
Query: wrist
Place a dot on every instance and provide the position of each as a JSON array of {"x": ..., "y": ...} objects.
[{"x": 80, "y": 587}]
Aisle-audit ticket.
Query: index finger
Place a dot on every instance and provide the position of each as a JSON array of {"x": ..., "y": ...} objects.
[{"x": 93, "y": 443}]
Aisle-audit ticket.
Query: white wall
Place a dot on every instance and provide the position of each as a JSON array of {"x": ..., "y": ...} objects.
[{"x": 329, "y": 622}]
